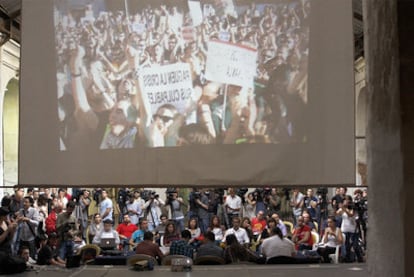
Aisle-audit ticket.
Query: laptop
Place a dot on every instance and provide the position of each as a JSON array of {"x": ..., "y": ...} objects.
[{"x": 107, "y": 244}]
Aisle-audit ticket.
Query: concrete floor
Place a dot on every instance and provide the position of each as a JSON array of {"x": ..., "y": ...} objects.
[{"x": 239, "y": 270}]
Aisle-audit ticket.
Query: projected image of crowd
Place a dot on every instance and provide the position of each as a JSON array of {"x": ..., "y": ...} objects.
[
  {"x": 263, "y": 225},
  {"x": 162, "y": 75}
]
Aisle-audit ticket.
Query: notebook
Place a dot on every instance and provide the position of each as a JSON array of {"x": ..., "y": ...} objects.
[{"x": 107, "y": 243}]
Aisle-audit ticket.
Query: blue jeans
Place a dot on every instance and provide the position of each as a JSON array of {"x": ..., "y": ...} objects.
[
  {"x": 66, "y": 249},
  {"x": 351, "y": 241}
]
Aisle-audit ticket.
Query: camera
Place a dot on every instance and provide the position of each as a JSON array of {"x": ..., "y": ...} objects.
[
  {"x": 68, "y": 226},
  {"x": 170, "y": 193},
  {"x": 322, "y": 191},
  {"x": 147, "y": 195}
]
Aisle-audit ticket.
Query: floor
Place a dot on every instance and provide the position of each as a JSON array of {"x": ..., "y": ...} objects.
[{"x": 239, "y": 270}]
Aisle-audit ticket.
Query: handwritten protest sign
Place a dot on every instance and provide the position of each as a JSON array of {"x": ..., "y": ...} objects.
[
  {"x": 195, "y": 12},
  {"x": 230, "y": 64},
  {"x": 168, "y": 84}
]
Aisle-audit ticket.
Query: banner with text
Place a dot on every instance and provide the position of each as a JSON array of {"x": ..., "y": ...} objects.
[
  {"x": 168, "y": 84},
  {"x": 231, "y": 64}
]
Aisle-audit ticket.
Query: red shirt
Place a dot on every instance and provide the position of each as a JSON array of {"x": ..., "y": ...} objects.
[
  {"x": 258, "y": 225},
  {"x": 126, "y": 230},
  {"x": 300, "y": 233}
]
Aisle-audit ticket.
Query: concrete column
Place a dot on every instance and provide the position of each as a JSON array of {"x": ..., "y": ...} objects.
[
  {"x": 406, "y": 29},
  {"x": 385, "y": 173}
]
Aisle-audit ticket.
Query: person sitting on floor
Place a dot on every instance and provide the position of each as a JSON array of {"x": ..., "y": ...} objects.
[
  {"x": 138, "y": 236},
  {"x": 48, "y": 253},
  {"x": 182, "y": 246},
  {"x": 125, "y": 231},
  {"x": 170, "y": 234},
  {"x": 25, "y": 254},
  {"x": 149, "y": 247},
  {"x": 276, "y": 245},
  {"x": 106, "y": 233},
  {"x": 235, "y": 252},
  {"x": 209, "y": 247},
  {"x": 240, "y": 233}
]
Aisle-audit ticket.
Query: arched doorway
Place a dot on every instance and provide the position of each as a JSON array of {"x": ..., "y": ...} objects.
[{"x": 11, "y": 132}]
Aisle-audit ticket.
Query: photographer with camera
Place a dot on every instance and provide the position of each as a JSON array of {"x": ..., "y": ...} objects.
[
  {"x": 202, "y": 212},
  {"x": 67, "y": 227},
  {"x": 310, "y": 204},
  {"x": 174, "y": 206},
  {"x": 259, "y": 196},
  {"x": 273, "y": 201},
  {"x": 350, "y": 229},
  {"x": 361, "y": 207},
  {"x": 134, "y": 207},
  {"x": 152, "y": 208}
]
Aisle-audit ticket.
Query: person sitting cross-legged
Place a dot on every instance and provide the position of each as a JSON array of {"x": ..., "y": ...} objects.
[
  {"x": 149, "y": 247},
  {"x": 106, "y": 233},
  {"x": 236, "y": 252},
  {"x": 182, "y": 246},
  {"x": 209, "y": 247},
  {"x": 276, "y": 245},
  {"x": 138, "y": 236}
]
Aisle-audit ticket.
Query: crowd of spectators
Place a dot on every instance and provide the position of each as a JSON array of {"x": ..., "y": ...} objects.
[
  {"x": 101, "y": 55},
  {"x": 49, "y": 225}
]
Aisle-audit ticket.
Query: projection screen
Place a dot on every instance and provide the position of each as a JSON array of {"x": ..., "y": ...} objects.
[{"x": 155, "y": 93}]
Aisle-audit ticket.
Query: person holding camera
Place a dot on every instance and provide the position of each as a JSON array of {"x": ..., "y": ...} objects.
[
  {"x": 349, "y": 228},
  {"x": 134, "y": 207},
  {"x": 67, "y": 227},
  {"x": 174, "y": 205},
  {"x": 361, "y": 207},
  {"x": 152, "y": 208},
  {"x": 202, "y": 211}
]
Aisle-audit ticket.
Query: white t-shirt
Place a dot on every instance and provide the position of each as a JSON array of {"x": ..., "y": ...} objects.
[
  {"x": 348, "y": 223},
  {"x": 234, "y": 202},
  {"x": 240, "y": 234},
  {"x": 107, "y": 203},
  {"x": 274, "y": 247}
]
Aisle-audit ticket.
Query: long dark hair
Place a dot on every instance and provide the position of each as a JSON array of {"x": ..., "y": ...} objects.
[
  {"x": 166, "y": 232},
  {"x": 277, "y": 232}
]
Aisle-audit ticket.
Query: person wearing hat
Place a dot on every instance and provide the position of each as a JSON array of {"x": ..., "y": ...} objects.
[
  {"x": 107, "y": 233},
  {"x": 7, "y": 230},
  {"x": 48, "y": 253}
]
